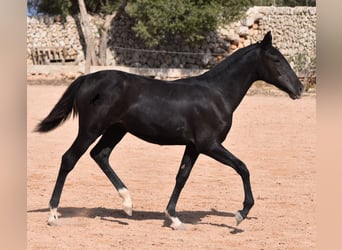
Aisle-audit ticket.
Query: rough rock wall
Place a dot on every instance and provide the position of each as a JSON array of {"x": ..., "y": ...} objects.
[{"x": 293, "y": 29}]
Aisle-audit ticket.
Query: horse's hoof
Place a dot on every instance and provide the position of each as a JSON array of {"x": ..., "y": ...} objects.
[
  {"x": 53, "y": 220},
  {"x": 238, "y": 218},
  {"x": 178, "y": 225},
  {"x": 53, "y": 217},
  {"x": 128, "y": 210},
  {"x": 127, "y": 201}
]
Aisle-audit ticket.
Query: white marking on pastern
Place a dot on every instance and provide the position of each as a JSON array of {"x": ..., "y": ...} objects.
[
  {"x": 127, "y": 201},
  {"x": 53, "y": 217},
  {"x": 176, "y": 223}
]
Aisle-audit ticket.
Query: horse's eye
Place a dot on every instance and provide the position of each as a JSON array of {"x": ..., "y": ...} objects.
[{"x": 276, "y": 60}]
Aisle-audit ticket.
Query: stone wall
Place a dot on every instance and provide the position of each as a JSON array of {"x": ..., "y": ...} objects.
[{"x": 293, "y": 29}]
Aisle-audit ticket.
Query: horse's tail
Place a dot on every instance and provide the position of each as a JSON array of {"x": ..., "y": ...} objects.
[{"x": 63, "y": 108}]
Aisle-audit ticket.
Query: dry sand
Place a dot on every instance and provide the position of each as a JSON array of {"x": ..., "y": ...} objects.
[{"x": 274, "y": 135}]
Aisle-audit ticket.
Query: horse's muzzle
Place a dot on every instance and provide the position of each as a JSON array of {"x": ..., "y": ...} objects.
[{"x": 297, "y": 94}]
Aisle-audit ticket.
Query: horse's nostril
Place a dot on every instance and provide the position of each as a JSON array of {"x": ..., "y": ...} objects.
[{"x": 301, "y": 88}]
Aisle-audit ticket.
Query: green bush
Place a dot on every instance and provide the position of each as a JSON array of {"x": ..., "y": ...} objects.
[{"x": 192, "y": 19}]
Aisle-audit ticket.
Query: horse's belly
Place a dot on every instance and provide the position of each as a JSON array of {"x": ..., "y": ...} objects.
[
  {"x": 167, "y": 130},
  {"x": 161, "y": 140},
  {"x": 158, "y": 134}
]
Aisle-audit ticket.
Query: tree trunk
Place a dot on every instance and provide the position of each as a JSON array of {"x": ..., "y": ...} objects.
[
  {"x": 104, "y": 33},
  {"x": 90, "y": 57},
  {"x": 104, "y": 39}
]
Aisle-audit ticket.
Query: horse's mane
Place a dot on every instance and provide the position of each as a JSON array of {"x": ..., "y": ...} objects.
[{"x": 231, "y": 60}]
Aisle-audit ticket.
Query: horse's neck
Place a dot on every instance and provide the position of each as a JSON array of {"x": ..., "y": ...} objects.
[{"x": 233, "y": 79}]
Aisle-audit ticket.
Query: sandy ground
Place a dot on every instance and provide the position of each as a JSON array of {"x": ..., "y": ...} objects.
[{"x": 274, "y": 135}]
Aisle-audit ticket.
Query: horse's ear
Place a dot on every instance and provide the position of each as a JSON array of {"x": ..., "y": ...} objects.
[{"x": 267, "y": 41}]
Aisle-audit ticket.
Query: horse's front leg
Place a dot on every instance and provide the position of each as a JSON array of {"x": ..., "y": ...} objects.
[
  {"x": 188, "y": 160},
  {"x": 219, "y": 153}
]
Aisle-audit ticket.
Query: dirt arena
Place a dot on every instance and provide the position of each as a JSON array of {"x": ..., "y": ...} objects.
[{"x": 274, "y": 135}]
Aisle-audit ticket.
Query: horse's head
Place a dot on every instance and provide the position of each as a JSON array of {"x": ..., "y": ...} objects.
[{"x": 274, "y": 68}]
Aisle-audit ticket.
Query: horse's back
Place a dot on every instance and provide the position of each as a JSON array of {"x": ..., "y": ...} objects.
[{"x": 157, "y": 111}]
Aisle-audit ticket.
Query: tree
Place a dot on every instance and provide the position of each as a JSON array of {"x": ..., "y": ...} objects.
[
  {"x": 155, "y": 19},
  {"x": 71, "y": 7},
  {"x": 104, "y": 32},
  {"x": 56, "y": 7},
  {"x": 67, "y": 7},
  {"x": 88, "y": 36}
]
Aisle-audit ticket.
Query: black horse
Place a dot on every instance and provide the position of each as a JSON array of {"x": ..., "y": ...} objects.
[{"x": 195, "y": 112}]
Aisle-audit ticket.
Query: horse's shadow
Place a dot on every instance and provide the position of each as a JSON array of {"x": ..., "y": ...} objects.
[{"x": 114, "y": 215}]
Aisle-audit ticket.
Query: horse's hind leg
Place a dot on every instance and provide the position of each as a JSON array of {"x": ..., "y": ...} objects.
[
  {"x": 188, "y": 160},
  {"x": 101, "y": 152},
  {"x": 69, "y": 159}
]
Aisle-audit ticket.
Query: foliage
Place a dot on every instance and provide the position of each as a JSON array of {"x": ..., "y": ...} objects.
[
  {"x": 67, "y": 7},
  {"x": 55, "y": 7},
  {"x": 156, "y": 19},
  {"x": 305, "y": 66}
]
